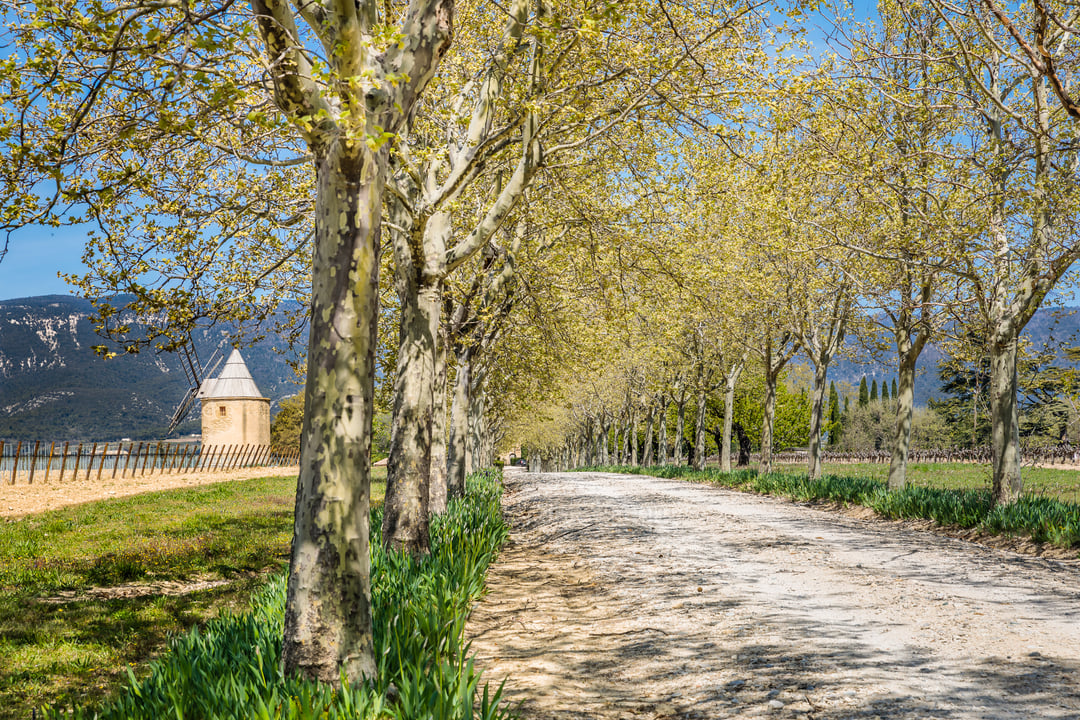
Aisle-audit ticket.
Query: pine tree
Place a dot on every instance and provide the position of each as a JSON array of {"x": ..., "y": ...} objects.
[
  {"x": 873, "y": 391},
  {"x": 834, "y": 420},
  {"x": 864, "y": 393}
]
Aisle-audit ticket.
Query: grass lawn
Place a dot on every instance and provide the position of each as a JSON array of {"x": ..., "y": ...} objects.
[
  {"x": 1053, "y": 483},
  {"x": 55, "y": 649}
]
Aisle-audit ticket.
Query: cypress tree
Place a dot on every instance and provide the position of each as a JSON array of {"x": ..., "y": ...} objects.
[
  {"x": 873, "y": 391},
  {"x": 834, "y": 414},
  {"x": 894, "y": 388},
  {"x": 884, "y": 391},
  {"x": 864, "y": 393}
]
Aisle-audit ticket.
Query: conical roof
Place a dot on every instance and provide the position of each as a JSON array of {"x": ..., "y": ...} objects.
[{"x": 234, "y": 381}]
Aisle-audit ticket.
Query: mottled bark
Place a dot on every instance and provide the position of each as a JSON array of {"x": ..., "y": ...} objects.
[
  {"x": 437, "y": 488},
  {"x": 1005, "y": 425},
  {"x": 817, "y": 413},
  {"x": 459, "y": 425},
  {"x": 327, "y": 609},
  {"x": 905, "y": 408},
  {"x": 405, "y": 509}
]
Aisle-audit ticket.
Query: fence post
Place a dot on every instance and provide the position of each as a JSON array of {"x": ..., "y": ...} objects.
[
  {"x": 1, "y": 455},
  {"x": 90, "y": 464},
  {"x": 222, "y": 457},
  {"x": 78, "y": 459},
  {"x": 204, "y": 453},
  {"x": 239, "y": 456},
  {"x": 63, "y": 461},
  {"x": 116, "y": 462},
  {"x": 33, "y": 462},
  {"x": 185, "y": 459},
  {"x": 15, "y": 465},
  {"x": 127, "y": 458},
  {"x": 48, "y": 463},
  {"x": 145, "y": 459},
  {"x": 101, "y": 465}
]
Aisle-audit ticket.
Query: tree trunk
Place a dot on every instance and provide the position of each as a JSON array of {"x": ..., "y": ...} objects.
[
  {"x": 767, "y": 422},
  {"x": 680, "y": 427},
  {"x": 647, "y": 460},
  {"x": 633, "y": 437},
  {"x": 328, "y": 629},
  {"x": 817, "y": 411},
  {"x": 437, "y": 491},
  {"x": 730, "y": 382},
  {"x": 744, "y": 446},
  {"x": 699, "y": 431},
  {"x": 1005, "y": 432},
  {"x": 905, "y": 408},
  {"x": 405, "y": 509},
  {"x": 459, "y": 425},
  {"x": 477, "y": 441},
  {"x": 663, "y": 450}
]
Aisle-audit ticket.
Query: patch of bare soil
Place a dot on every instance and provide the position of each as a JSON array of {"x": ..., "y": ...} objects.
[
  {"x": 633, "y": 597},
  {"x": 22, "y": 499},
  {"x": 128, "y": 591}
]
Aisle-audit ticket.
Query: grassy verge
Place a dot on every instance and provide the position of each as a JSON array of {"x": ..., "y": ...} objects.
[
  {"x": 71, "y": 619},
  {"x": 1055, "y": 483},
  {"x": 1041, "y": 518},
  {"x": 230, "y": 668}
]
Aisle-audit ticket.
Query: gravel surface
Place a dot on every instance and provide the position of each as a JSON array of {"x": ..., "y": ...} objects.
[{"x": 633, "y": 597}]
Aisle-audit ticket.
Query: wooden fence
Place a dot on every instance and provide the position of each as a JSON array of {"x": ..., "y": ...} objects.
[
  {"x": 38, "y": 461},
  {"x": 1029, "y": 455}
]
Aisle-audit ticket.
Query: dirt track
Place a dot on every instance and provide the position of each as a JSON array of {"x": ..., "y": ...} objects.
[{"x": 634, "y": 597}]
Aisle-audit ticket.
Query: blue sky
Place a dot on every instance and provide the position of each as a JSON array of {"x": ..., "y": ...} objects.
[{"x": 35, "y": 256}]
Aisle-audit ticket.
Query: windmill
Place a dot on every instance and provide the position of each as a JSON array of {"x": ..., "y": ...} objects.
[{"x": 196, "y": 372}]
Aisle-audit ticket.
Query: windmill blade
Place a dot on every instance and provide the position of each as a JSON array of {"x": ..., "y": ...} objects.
[
  {"x": 182, "y": 409},
  {"x": 196, "y": 374}
]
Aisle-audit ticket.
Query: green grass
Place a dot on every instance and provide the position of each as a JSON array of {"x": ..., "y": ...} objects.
[
  {"x": 1053, "y": 483},
  {"x": 231, "y": 667},
  {"x": 1042, "y": 518},
  {"x": 80, "y": 651}
]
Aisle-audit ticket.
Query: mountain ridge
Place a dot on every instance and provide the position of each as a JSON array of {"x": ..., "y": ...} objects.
[{"x": 53, "y": 386}]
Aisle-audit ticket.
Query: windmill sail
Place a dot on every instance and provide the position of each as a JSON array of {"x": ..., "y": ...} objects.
[{"x": 195, "y": 372}]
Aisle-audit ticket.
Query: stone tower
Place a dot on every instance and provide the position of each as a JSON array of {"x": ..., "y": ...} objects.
[{"x": 234, "y": 412}]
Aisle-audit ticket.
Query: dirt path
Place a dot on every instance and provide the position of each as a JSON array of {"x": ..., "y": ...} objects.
[{"x": 632, "y": 597}]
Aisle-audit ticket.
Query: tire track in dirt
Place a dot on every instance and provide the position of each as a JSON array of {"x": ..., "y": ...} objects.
[{"x": 633, "y": 597}]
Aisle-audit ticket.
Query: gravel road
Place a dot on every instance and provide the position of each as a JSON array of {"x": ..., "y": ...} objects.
[{"x": 633, "y": 597}]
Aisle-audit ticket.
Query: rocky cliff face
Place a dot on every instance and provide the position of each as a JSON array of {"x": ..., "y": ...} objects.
[{"x": 54, "y": 387}]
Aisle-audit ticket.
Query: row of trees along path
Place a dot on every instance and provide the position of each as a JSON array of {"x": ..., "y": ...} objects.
[{"x": 239, "y": 161}]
